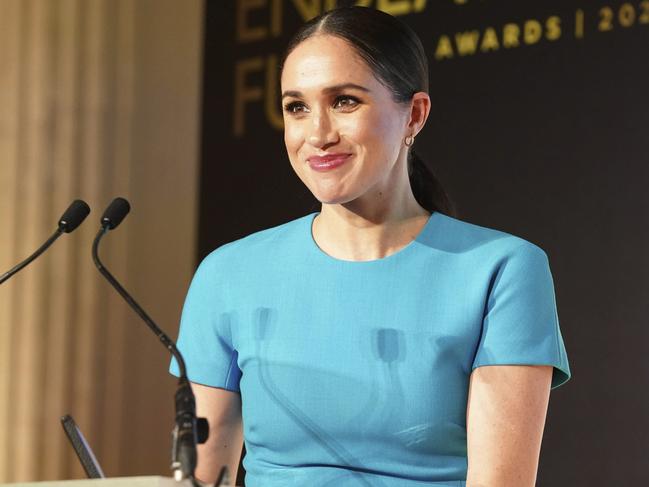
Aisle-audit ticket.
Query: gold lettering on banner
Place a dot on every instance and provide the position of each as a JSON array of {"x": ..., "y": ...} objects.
[
  {"x": 532, "y": 32},
  {"x": 471, "y": 42},
  {"x": 245, "y": 32},
  {"x": 553, "y": 28},
  {"x": 419, "y": 5},
  {"x": 626, "y": 15},
  {"x": 511, "y": 35},
  {"x": 489, "y": 40},
  {"x": 444, "y": 48},
  {"x": 394, "y": 7},
  {"x": 272, "y": 108},
  {"x": 644, "y": 16},
  {"x": 606, "y": 21},
  {"x": 245, "y": 94},
  {"x": 467, "y": 42},
  {"x": 579, "y": 24}
]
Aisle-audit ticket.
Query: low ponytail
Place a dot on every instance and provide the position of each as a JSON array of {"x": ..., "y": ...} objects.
[{"x": 426, "y": 188}]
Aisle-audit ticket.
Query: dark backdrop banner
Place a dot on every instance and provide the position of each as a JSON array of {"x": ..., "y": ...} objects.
[{"x": 539, "y": 127}]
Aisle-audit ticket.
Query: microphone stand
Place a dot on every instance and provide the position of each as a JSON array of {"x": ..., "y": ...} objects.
[
  {"x": 188, "y": 430},
  {"x": 69, "y": 221},
  {"x": 32, "y": 257}
]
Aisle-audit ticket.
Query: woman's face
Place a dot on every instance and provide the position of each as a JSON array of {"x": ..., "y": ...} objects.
[{"x": 342, "y": 129}]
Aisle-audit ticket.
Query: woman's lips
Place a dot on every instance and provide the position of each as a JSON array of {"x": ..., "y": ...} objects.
[{"x": 326, "y": 163}]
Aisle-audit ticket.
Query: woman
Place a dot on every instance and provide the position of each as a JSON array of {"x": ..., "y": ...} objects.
[{"x": 380, "y": 341}]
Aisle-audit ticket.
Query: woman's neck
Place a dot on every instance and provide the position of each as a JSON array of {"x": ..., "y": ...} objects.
[{"x": 354, "y": 231}]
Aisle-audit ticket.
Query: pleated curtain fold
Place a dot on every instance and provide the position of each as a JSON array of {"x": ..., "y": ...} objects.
[{"x": 98, "y": 98}]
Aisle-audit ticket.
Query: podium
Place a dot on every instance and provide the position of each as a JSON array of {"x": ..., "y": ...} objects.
[
  {"x": 150, "y": 481},
  {"x": 114, "y": 482}
]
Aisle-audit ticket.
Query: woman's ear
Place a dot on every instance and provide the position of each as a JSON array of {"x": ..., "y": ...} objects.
[{"x": 419, "y": 110}]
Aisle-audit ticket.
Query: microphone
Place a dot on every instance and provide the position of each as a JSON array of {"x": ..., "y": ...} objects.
[
  {"x": 188, "y": 430},
  {"x": 115, "y": 213},
  {"x": 69, "y": 221},
  {"x": 73, "y": 216}
]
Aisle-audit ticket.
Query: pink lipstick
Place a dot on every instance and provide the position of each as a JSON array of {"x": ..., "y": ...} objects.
[{"x": 328, "y": 162}]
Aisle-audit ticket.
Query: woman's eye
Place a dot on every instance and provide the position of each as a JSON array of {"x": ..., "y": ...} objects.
[
  {"x": 345, "y": 102},
  {"x": 294, "y": 107}
]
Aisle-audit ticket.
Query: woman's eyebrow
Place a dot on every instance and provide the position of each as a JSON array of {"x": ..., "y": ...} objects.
[{"x": 328, "y": 89}]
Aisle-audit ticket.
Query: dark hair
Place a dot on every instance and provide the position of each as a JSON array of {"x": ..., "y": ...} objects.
[{"x": 395, "y": 55}]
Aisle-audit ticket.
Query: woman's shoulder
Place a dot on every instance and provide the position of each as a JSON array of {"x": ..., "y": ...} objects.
[
  {"x": 262, "y": 242},
  {"x": 455, "y": 235}
]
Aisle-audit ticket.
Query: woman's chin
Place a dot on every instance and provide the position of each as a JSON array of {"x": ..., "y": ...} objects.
[
  {"x": 336, "y": 192},
  {"x": 328, "y": 199},
  {"x": 329, "y": 195}
]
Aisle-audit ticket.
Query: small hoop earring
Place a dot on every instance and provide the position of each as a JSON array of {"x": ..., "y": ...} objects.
[{"x": 409, "y": 140}]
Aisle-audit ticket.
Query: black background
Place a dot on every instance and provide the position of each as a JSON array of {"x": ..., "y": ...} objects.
[{"x": 548, "y": 142}]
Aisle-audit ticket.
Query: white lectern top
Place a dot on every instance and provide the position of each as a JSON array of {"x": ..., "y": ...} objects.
[{"x": 114, "y": 482}]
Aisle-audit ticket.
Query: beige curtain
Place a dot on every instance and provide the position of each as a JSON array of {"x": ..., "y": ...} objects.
[{"x": 98, "y": 98}]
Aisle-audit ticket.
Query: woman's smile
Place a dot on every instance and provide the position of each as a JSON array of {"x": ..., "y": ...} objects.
[{"x": 328, "y": 162}]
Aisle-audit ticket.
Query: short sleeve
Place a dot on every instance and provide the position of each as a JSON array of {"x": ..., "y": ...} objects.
[
  {"x": 205, "y": 339},
  {"x": 521, "y": 324}
]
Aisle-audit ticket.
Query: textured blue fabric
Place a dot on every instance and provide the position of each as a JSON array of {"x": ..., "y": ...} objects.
[{"x": 357, "y": 373}]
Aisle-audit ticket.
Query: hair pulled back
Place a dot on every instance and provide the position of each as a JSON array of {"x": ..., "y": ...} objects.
[{"x": 396, "y": 56}]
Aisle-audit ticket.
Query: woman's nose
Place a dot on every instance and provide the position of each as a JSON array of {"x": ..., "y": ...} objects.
[{"x": 322, "y": 130}]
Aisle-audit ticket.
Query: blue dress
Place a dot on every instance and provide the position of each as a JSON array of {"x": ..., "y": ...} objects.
[{"x": 357, "y": 373}]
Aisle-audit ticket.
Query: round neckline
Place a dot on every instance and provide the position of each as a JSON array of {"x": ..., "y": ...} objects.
[{"x": 406, "y": 249}]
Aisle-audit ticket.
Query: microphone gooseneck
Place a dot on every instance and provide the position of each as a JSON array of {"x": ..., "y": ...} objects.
[
  {"x": 188, "y": 430},
  {"x": 111, "y": 218},
  {"x": 70, "y": 220}
]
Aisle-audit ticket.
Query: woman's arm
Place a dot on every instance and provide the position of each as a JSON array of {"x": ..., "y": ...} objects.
[
  {"x": 222, "y": 408},
  {"x": 506, "y": 413}
]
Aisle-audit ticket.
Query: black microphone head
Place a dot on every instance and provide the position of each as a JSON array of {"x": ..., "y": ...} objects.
[
  {"x": 73, "y": 216},
  {"x": 115, "y": 213}
]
